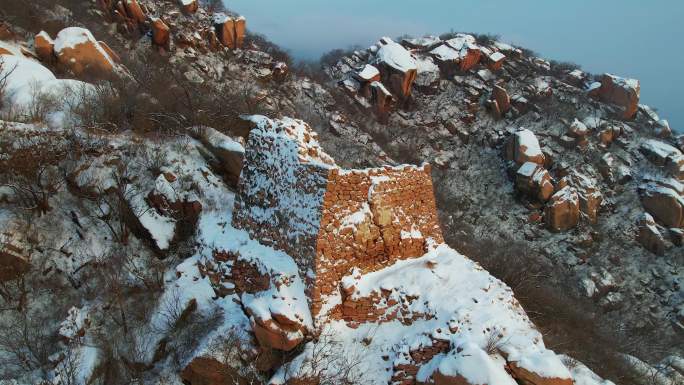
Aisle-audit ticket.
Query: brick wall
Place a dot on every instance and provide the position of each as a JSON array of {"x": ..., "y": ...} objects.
[
  {"x": 370, "y": 219},
  {"x": 292, "y": 197}
]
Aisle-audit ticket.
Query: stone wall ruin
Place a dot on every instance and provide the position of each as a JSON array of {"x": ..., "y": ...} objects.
[{"x": 293, "y": 197}]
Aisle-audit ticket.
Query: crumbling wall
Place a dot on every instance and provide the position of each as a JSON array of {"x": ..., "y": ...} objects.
[
  {"x": 280, "y": 193},
  {"x": 372, "y": 218},
  {"x": 291, "y": 196}
]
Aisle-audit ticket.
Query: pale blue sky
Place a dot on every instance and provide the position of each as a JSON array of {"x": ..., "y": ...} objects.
[{"x": 634, "y": 38}]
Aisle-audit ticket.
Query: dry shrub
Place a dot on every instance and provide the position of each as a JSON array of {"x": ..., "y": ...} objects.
[{"x": 570, "y": 325}]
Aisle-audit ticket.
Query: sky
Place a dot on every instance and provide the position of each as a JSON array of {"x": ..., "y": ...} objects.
[{"x": 631, "y": 38}]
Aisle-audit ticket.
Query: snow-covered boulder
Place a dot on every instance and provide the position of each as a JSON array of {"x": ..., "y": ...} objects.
[
  {"x": 523, "y": 146},
  {"x": 663, "y": 199},
  {"x": 562, "y": 212},
  {"x": 29, "y": 82},
  {"x": 44, "y": 46},
  {"x": 397, "y": 66},
  {"x": 622, "y": 92},
  {"x": 78, "y": 50},
  {"x": 533, "y": 180},
  {"x": 230, "y": 152}
]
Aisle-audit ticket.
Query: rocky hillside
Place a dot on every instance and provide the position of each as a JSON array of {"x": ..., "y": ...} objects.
[{"x": 180, "y": 204}]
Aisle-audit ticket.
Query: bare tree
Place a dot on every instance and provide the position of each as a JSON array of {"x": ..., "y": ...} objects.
[
  {"x": 30, "y": 171},
  {"x": 325, "y": 361}
]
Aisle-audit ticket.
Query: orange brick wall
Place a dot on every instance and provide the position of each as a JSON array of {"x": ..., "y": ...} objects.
[{"x": 396, "y": 199}]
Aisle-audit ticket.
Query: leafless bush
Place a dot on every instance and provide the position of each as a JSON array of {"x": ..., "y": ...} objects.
[
  {"x": 30, "y": 170},
  {"x": 26, "y": 341},
  {"x": 569, "y": 324},
  {"x": 6, "y": 73},
  {"x": 324, "y": 361}
]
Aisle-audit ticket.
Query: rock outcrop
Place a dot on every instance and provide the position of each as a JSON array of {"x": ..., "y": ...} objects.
[
  {"x": 160, "y": 33},
  {"x": 229, "y": 31},
  {"x": 563, "y": 211},
  {"x": 77, "y": 50},
  {"x": 664, "y": 199},
  {"x": 522, "y": 147},
  {"x": 649, "y": 236},
  {"x": 533, "y": 180},
  {"x": 622, "y": 92},
  {"x": 397, "y": 67}
]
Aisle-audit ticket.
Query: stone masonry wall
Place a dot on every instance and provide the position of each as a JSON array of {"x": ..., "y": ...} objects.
[
  {"x": 280, "y": 192},
  {"x": 371, "y": 219},
  {"x": 291, "y": 196}
]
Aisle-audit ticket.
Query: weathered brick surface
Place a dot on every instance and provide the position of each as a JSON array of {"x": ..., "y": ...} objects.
[{"x": 292, "y": 197}]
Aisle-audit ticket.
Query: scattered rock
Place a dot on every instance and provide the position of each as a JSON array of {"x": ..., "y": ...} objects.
[
  {"x": 77, "y": 50},
  {"x": 562, "y": 212},
  {"x": 44, "y": 46},
  {"x": 649, "y": 236},
  {"x": 160, "y": 33},
  {"x": 622, "y": 92},
  {"x": 533, "y": 180},
  {"x": 522, "y": 147}
]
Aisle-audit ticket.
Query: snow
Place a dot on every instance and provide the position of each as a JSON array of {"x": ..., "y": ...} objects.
[
  {"x": 396, "y": 56},
  {"x": 218, "y": 140},
  {"x": 368, "y": 72},
  {"x": 660, "y": 149},
  {"x": 543, "y": 362},
  {"x": 475, "y": 365},
  {"x": 29, "y": 80},
  {"x": 528, "y": 142},
  {"x": 466, "y": 305},
  {"x": 582, "y": 375},
  {"x": 625, "y": 82},
  {"x": 220, "y": 18},
  {"x": 381, "y": 87},
  {"x": 461, "y": 41},
  {"x": 528, "y": 169},
  {"x": 446, "y": 53},
  {"x": 496, "y": 57},
  {"x": 426, "y": 65},
  {"x": 70, "y": 37}
]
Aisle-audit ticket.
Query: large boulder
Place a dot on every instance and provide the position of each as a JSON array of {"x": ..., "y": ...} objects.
[
  {"x": 622, "y": 92},
  {"x": 658, "y": 152},
  {"x": 189, "y": 6},
  {"x": 207, "y": 370},
  {"x": 44, "y": 46},
  {"x": 562, "y": 212},
  {"x": 398, "y": 67},
  {"x": 160, "y": 33},
  {"x": 135, "y": 11},
  {"x": 229, "y": 31},
  {"x": 649, "y": 236},
  {"x": 277, "y": 333},
  {"x": 77, "y": 50},
  {"x": 229, "y": 152},
  {"x": 381, "y": 99},
  {"x": 502, "y": 99},
  {"x": 469, "y": 52},
  {"x": 663, "y": 199},
  {"x": 523, "y": 146},
  {"x": 533, "y": 180}
]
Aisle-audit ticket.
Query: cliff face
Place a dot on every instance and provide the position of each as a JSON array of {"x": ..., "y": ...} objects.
[{"x": 166, "y": 216}]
